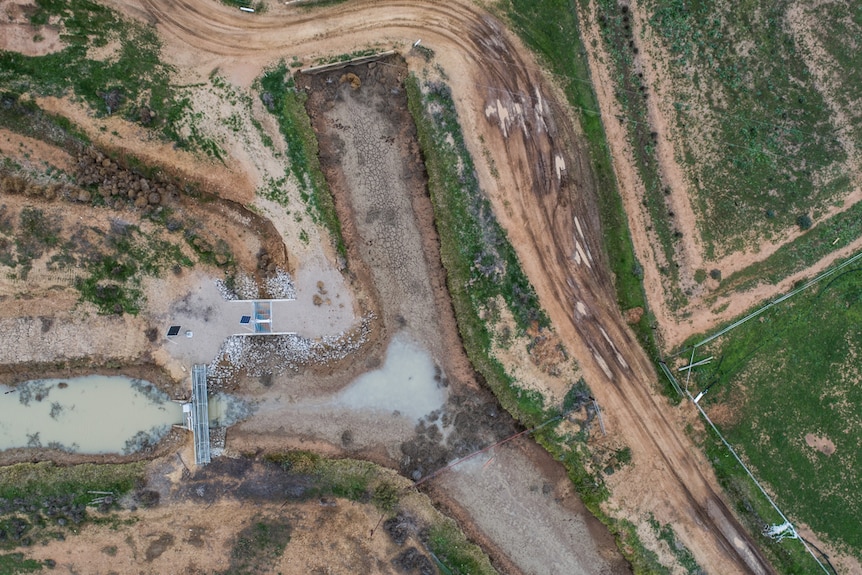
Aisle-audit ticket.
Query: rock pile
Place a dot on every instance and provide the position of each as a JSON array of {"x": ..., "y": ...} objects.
[
  {"x": 113, "y": 180},
  {"x": 115, "y": 183}
]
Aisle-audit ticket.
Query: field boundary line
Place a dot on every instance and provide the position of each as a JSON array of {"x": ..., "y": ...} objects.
[{"x": 774, "y": 302}]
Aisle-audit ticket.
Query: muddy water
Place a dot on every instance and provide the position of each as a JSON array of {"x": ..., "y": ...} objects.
[
  {"x": 92, "y": 414},
  {"x": 225, "y": 410},
  {"x": 407, "y": 383}
]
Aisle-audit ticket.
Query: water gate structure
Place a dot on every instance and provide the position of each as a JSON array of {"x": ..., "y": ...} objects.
[
  {"x": 197, "y": 414},
  {"x": 257, "y": 317}
]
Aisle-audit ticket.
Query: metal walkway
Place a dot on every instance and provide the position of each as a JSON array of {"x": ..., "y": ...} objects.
[{"x": 200, "y": 422}]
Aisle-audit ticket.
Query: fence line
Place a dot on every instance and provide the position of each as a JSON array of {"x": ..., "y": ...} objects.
[
  {"x": 757, "y": 483},
  {"x": 786, "y": 296}
]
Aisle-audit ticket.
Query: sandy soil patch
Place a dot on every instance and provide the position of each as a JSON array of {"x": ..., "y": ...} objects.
[
  {"x": 22, "y": 148},
  {"x": 822, "y": 444},
  {"x": 18, "y": 35}
]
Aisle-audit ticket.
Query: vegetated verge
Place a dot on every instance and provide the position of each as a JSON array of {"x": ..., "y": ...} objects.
[
  {"x": 278, "y": 93},
  {"x": 617, "y": 31},
  {"x": 784, "y": 390},
  {"x": 132, "y": 81},
  {"x": 824, "y": 238},
  {"x": 560, "y": 50},
  {"x": 463, "y": 217}
]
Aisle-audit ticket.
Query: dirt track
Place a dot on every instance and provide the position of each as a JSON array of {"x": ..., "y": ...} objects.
[{"x": 544, "y": 198}]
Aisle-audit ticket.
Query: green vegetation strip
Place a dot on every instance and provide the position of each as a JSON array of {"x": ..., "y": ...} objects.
[
  {"x": 455, "y": 555},
  {"x": 824, "y": 238},
  {"x": 27, "y": 119},
  {"x": 618, "y": 34},
  {"x": 132, "y": 79},
  {"x": 788, "y": 374},
  {"x": 13, "y": 563},
  {"x": 280, "y": 96},
  {"x": 463, "y": 220},
  {"x": 480, "y": 263},
  {"x": 31, "y": 482},
  {"x": 560, "y": 49}
]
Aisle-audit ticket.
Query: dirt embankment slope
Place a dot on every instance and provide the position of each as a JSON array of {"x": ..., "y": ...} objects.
[{"x": 543, "y": 194}]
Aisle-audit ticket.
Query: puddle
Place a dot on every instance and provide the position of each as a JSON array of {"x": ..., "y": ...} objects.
[
  {"x": 225, "y": 410},
  {"x": 91, "y": 414},
  {"x": 406, "y": 383}
]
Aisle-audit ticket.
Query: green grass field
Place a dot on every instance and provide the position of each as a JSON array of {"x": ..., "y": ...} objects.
[
  {"x": 287, "y": 104},
  {"x": 758, "y": 135},
  {"x": 782, "y": 380}
]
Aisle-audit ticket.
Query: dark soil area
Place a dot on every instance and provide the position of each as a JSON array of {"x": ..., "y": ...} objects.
[
  {"x": 245, "y": 479},
  {"x": 470, "y": 423}
]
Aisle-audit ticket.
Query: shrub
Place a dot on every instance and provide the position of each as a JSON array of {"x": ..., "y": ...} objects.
[{"x": 804, "y": 221}]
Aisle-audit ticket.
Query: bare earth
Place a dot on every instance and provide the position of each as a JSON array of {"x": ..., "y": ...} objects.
[{"x": 544, "y": 196}]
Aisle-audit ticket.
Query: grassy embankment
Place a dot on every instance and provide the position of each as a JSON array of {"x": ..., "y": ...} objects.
[
  {"x": 40, "y": 502},
  {"x": 365, "y": 482},
  {"x": 560, "y": 50},
  {"x": 279, "y": 95},
  {"x": 632, "y": 93},
  {"x": 469, "y": 233},
  {"x": 792, "y": 372},
  {"x": 133, "y": 82},
  {"x": 818, "y": 242}
]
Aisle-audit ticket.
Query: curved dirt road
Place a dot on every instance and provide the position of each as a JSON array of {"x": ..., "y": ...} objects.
[{"x": 543, "y": 195}]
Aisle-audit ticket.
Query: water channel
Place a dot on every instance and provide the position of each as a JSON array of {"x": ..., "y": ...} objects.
[{"x": 96, "y": 414}]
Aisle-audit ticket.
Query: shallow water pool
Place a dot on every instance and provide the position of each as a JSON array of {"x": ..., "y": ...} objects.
[{"x": 90, "y": 414}]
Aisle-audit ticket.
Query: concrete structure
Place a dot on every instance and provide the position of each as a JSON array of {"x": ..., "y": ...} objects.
[
  {"x": 198, "y": 414},
  {"x": 266, "y": 316}
]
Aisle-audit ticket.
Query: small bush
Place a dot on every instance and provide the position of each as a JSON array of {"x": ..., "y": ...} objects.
[
  {"x": 804, "y": 222},
  {"x": 624, "y": 455},
  {"x": 715, "y": 274},
  {"x": 385, "y": 497}
]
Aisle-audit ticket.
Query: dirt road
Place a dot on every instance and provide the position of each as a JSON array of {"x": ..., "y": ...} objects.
[{"x": 544, "y": 196}]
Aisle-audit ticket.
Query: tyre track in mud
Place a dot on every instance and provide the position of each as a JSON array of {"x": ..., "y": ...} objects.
[
  {"x": 591, "y": 286},
  {"x": 549, "y": 213}
]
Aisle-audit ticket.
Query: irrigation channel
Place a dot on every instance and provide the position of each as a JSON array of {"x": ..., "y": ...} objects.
[{"x": 96, "y": 414}]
